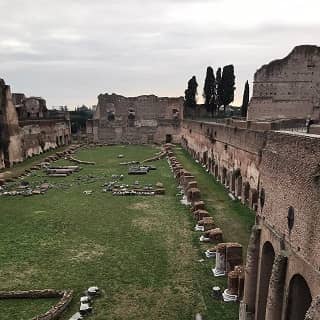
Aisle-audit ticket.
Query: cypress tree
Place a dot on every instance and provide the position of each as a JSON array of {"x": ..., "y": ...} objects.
[
  {"x": 190, "y": 93},
  {"x": 209, "y": 91},
  {"x": 245, "y": 100},
  {"x": 219, "y": 90},
  {"x": 227, "y": 85}
]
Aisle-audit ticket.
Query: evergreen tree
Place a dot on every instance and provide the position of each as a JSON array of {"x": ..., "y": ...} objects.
[
  {"x": 190, "y": 93},
  {"x": 245, "y": 100},
  {"x": 209, "y": 91},
  {"x": 227, "y": 86},
  {"x": 219, "y": 90}
]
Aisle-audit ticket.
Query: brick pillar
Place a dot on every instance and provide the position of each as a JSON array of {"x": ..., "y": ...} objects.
[
  {"x": 276, "y": 288},
  {"x": 251, "y": 270},
  {"x": 314, "y": 310}
]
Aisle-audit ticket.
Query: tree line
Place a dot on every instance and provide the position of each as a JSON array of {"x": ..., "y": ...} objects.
[{"x": 218, "y": 91}]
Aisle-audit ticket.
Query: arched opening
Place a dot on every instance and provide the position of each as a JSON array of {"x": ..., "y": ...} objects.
[
  {"x": 254, "y": 195},
  {"x": 224, "y": 175},
  {"x": 246, "y": 192},
  {"x": 299, "y": 299},
  {"x": 216, "y": 171},
  {"x": 239, "y": 186},
  {"x": 168, "y": 138},
  {"x": 205, "y": 158},
  {"x": 233, "y": 182},
  {"x": 266, "y": 263}
]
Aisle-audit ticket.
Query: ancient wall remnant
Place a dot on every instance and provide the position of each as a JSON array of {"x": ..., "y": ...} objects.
[
  {"x": 27, "y": 127},
  {"x": 230, "y": 153},
  {"x": 289, "y": 87},
  {"x": 143, "y": 119},
  {"x": 10, "y": 133},
  {"x": 278, "y": 174},
  {"x": 42, "y": 129}
]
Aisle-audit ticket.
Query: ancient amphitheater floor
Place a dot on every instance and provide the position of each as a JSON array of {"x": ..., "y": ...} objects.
[{"x": 141, "y": 251}]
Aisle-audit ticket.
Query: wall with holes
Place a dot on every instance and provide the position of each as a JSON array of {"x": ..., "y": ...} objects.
[{"x": 289, "y": 87}]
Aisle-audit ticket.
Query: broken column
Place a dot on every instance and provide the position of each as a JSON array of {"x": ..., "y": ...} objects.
[
  {"x": 192, "y": 184},
  {"x": 198, "y": 205},
  {"x": 200, "y": 214},
  {"x": 207, "y": 223},
  {"x": 234, "y": 256},
  {"x": 220, "y": 268},
  {"x": 212, "y": 235},
  {"x": 193, "y": 195},
  {"x": 235, "y": 285}
]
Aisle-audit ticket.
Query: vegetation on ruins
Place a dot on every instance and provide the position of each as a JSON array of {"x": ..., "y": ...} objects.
[
  {"x": 209, "y": 91},
  {"x": 245, "y": 100},
  {"x": 79, "y": 118},
  {"x": 218, "y": 91},
  {"x": 191, "y": 93},
  {"x": 227, "y": 86},
  {"x": 141, "y": 251}
]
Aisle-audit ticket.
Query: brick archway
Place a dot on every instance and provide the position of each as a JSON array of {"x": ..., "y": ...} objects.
[
  {"x": 299, "y": 298},
  {"x": 266, "y": 263}
]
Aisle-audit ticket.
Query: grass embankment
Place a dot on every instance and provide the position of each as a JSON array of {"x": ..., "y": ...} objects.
[
  {"x": 140, "y": 250},
  {"x": 232, "y": 217}
]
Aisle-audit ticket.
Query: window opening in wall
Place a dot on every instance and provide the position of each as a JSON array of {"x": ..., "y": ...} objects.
[{"x": 168, "y": 138}]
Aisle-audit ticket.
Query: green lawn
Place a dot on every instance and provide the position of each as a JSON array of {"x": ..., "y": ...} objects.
[{"x": 141, "y": 251}]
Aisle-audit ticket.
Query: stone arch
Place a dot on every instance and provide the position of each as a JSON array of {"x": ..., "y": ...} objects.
[
  {"x": 299, "y": 298},
  {"x": 266, "y": 263}
]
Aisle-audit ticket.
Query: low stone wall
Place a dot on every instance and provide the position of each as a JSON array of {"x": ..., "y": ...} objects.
[{"x": 56, "y": 310}]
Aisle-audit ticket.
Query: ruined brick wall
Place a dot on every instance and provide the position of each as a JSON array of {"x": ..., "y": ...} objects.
[
  {"x": 289, "y": 87},
  {"x": 10, "y": 134},
  {"x": 44, "y": 134},
  {"x": 143, "y": 119},
  {"x": 231, "y": 153},
  {"x": 290, "y": 176}
]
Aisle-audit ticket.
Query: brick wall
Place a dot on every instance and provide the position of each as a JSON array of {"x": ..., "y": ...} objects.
[
  {"x": 289, "y": 87},
  {"x": 143, "y": 119}
]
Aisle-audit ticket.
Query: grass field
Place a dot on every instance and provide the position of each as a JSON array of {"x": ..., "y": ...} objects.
[{"x": 141, "y": 251}]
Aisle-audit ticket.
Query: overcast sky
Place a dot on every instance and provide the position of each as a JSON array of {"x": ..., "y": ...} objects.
[{"x": 69, "y": 51}]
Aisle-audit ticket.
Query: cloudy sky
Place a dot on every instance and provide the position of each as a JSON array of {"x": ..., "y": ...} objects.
[{"x": 69, "y": 51}]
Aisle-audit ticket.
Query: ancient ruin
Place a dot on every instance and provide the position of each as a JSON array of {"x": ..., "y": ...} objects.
[
  {"x": 28, "y": 128},
  {"x": 144, "y": 119},
  {"x": 269, "y": 162}
]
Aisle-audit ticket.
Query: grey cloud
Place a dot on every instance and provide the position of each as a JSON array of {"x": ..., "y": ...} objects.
[{"x": 70, "y": 51}]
